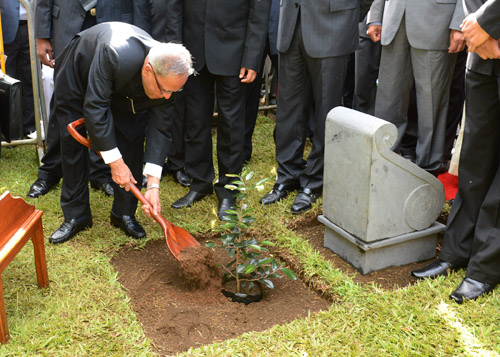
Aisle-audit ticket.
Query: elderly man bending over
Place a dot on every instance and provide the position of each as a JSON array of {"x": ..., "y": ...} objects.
[{"x": 119, "y": 79}]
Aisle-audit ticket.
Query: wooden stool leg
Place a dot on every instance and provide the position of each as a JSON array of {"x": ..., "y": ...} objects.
[
  {"x": 4, "y": 329},
  {"x": 40, "y": 261}
]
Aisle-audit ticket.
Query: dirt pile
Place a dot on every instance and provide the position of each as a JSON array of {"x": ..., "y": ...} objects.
[{"x": 198, "y": 267}]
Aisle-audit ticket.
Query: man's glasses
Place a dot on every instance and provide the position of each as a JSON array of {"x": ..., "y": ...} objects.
[{"x": 162, "y": 91}]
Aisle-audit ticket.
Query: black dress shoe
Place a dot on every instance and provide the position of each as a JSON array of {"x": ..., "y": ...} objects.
[
  {"x": 189, "y": 199},
  {"x": 435, "y": 269},
  {"x": 304, "y": 200},
  {"x": 69, "y": 228},
  {"x": 278, "y": 193},
  {"x": 179, "y": 176},
  {"x": 128, "y": 224},
  {"x": 470, "y": 289},
  {"x": 40, "y": 187},
  {"x": 105, "y": 187},
  {"x": 224, "y": 205}
]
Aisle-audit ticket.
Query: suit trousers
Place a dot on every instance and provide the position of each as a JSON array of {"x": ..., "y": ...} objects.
[
  {"x": 401, "y": 66},
  {"x": 200, "y": 93},
  {"x": 18, "y": 65},
  {"x": 326, "y": 76},
  {"x": 472, "y": 236},
  {"x": 176, "y": 151},
  {"x": 365, "y": 75}
]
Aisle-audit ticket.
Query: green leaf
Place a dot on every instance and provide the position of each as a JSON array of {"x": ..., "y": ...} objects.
[
  {"x": 254, "y": 246},
  {"x": 249, "y": 176},
  {"x": 241, "y": 268},
  {"x": 266, "y": 242},
  {"x": 264, "y": 261},
  {"x": 244, "y": 254},
  {"x": 262, "y": 181},
  {"x": 274, "y": 264},
  {"x": 210, "y": 245},
  {"x": 249, "y": 269},
  {"x": 237, "y": 182},
  {"x": 267, "y": 283},
  {"x": 232, "y": 175},
  {"x": 232, "y": 253},
  {"x": 230, "y": 187},
  {"x": 289, "y": 273}
]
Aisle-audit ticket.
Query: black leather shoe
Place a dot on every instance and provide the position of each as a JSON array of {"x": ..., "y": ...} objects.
[
  {"x": 179, "y": 176},
  {"x": 470, "y": 289},
  {"x": 224, "y": 205},
  {"x": 278, "y": 193},
  {"x": 40, "y": 187},
  {"x": 105, "y": 187},
  {"x": 69, "y": 228},
  {"x": 189, "y": 199},
  {"x": 128, "y": 224},
  {"x": 304, "y": 200},
  {"x": 434, "y": 269}
]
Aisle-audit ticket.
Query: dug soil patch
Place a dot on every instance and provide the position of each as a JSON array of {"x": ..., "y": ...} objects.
[{"x": 177, "y": 316}]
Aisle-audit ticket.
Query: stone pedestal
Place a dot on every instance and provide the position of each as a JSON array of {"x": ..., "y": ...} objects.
[{"x": 379, "y": 209}]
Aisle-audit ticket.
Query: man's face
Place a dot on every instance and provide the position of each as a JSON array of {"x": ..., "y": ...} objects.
[{"x": 157, "y": 87}]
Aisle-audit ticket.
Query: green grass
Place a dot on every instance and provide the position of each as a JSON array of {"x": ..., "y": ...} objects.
[{"x": 85, "y": 311}]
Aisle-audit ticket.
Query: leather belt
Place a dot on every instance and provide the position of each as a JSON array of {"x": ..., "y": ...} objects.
[{"x": 92, "y": 11}]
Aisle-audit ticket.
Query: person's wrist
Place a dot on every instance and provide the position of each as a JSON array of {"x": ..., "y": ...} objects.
[{"x": 153, "y": 185}]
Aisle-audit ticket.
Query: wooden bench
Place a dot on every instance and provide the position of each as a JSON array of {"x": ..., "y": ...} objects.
[{"x": 19, "y": 223}]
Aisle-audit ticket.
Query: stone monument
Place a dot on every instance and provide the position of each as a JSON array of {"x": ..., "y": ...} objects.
[{"x": 379, "y": 209}]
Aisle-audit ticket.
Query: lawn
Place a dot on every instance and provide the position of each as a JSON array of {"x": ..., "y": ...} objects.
[{"x": 85, "y": 311}]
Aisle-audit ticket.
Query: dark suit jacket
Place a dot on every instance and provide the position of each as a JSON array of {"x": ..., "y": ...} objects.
[
  {"x": 329, "y": 27},
  {"x": 225, "y": 35},
  {"x": 488, "y": 16},
  {"x": 103, "y": 65},
  {"x": 166, "y": 22},
  {"x": 61, "y": 20},
  {"x": 10, "y": 19}
]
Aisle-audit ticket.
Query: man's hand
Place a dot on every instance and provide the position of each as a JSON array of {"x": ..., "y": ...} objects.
[
  {"x": 121, "y": 175},
  {"x": 474, "y": 34},
  {"x": 489, "y": 49},
  {"x": 457, "y": 42},
  {"x": 247, "y": 75},
  {"x": 153, "y": 196},
  {"x": 375, "y": 32},
  {"x": 44, "y": 51}
]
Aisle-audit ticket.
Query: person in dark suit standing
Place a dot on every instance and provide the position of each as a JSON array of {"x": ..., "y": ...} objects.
[
  {"x": 472, "y": 239},
  {"x": 17, "y": 51},
  {"x": 56, "y": 23},
  {"x": 315, "y": 40},
  {"x": 227, "y": 40},
  {"x": 119, "y": 79},
  {"x": 165, "y": 27}
]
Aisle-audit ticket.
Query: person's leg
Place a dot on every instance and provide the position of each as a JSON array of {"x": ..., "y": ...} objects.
[{"x": 366, "y": 74}]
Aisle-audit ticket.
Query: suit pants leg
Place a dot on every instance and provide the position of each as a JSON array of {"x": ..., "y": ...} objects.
[
  {"x": 327, "y": 76},
  {"x": 125, "y": 203},
  {"x": 176, "y": 151},
  {"x": 291, "y": 117},
  {"x": 51, "y": 169},
  {"x": 365, "y": 75},
  {"x": 433, "y": 73},
  {"x": 230, "y": 94},
  {"x": 198, "y": 124},
  {"x": 472, "y": 234},
  {"x": 395, "y": 83}
]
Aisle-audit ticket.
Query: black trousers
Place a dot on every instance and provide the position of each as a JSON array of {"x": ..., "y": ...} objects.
[
  {"x": 176, "y": 151},
  {"x": 326, "y": 76},
  {"x": 200, "y": 93},
  {"x": 18, "y": 65},
  {"x": 472, "y": 236}
]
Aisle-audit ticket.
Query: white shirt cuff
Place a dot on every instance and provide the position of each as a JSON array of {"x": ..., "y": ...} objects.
[
  {"x": 111, "y": 155},
  {"x": 153, "y": 170}
]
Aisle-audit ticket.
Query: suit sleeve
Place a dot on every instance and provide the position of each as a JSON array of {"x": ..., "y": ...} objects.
[
  {"x": 458, "y": 16},
  {"x": 488, "y": 17},
  {"x": 255, "y": 40},
  {"x": 158, "y": 135},
  {"x": 142, "y": 14},
  {"x": 97, "y": 101},
  {"x": 43, "y": 18},
  {"x": 376, "y": 12}
]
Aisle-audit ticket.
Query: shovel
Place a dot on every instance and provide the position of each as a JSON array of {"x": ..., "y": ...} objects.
[{"x": 177, "y": 238}]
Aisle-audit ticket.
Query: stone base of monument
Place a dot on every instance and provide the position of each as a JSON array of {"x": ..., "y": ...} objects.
[{"x": 367, "y": 257}]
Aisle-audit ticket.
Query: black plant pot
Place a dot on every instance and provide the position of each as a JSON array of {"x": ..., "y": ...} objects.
[{"x": 244, "y": 297}]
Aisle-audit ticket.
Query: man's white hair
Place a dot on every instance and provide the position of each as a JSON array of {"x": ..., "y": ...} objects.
[{"x": 171, "y": 58}]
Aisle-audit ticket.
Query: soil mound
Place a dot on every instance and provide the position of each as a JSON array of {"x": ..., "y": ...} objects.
[{"x": 198, "y": 267}]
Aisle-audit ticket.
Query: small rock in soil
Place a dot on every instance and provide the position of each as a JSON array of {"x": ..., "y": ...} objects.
[{"x": 198, "y": 267}]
